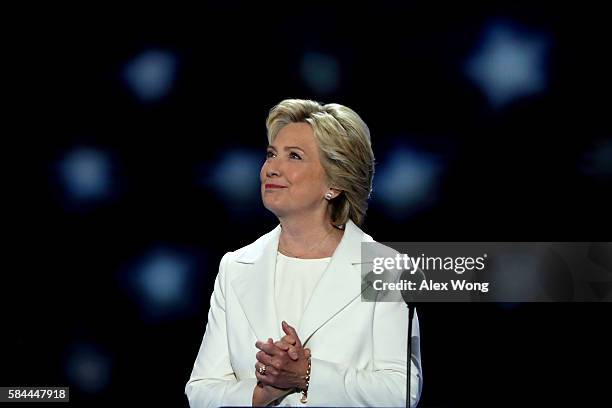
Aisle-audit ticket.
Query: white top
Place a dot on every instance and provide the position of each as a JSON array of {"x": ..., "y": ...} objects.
[{"x": 294, "y": 281}]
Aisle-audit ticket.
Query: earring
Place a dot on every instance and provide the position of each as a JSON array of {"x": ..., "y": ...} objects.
[{"x": 328, "y": 196}]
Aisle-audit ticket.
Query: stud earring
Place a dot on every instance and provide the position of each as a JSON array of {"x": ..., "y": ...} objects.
[{"x": 328, "y": 196}]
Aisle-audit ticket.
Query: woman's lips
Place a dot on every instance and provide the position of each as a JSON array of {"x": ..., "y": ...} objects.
[{"x": 274, "y": 186}]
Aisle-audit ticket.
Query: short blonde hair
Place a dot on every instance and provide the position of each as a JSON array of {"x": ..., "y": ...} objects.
[{"x": 346, "y": 151}]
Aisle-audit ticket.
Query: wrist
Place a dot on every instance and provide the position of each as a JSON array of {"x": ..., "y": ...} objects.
[
  {"x": 257, "y": 400},
  {"x": 264, "y": 395}
]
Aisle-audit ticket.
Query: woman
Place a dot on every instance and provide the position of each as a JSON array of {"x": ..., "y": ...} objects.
[{"x": 290, "y": 302}]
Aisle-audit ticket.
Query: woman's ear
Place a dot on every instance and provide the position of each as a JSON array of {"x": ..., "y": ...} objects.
[{"x": 335, "y": 192}]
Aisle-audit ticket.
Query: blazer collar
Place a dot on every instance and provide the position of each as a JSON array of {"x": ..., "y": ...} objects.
[{"x": 338, "y": 286}]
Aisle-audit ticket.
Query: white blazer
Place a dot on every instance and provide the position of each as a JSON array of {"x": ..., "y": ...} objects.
[{"x": 358, "y": 348}]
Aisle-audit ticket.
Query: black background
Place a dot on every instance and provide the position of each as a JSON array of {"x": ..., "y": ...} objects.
[{"x": 514, "y": 176}]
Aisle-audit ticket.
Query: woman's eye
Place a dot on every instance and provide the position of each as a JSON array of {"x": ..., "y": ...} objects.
[
  {"x": 269, "y": 154},
  {"x": 295, "y": 156}
]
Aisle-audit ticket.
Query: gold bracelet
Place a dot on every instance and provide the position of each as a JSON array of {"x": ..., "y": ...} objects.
[{"x": 304, "y": 398}]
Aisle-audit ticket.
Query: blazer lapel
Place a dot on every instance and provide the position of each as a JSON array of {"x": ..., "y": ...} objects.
[
  {"x": 255, "y": 289},
  {"x": 339, "y": 285}
]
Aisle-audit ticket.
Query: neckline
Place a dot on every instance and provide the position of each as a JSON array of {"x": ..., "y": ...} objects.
[{"x": 302, "y": 259}]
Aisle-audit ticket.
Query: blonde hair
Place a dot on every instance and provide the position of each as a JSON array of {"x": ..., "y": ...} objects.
[{"x": 346, "y": 151}]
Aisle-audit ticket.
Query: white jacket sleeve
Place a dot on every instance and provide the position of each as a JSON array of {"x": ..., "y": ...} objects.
[
  {"x": 333, "y": 384},
  {"x": 213, "y": 383}
]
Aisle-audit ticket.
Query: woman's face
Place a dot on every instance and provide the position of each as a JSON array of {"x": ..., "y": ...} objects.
[{"x": 293, "y": 180}]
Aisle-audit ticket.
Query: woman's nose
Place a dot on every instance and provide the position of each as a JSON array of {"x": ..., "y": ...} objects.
[{"x": 272, "y": 170}]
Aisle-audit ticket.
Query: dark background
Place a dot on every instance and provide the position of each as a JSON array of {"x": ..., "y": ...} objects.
[{"x": 533, "y": 168}]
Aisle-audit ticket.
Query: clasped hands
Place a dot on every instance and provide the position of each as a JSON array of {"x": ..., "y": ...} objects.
[{"x": 286, "y": 364}]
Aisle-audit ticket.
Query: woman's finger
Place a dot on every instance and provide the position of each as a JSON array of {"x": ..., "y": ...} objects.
[
  {"x": 264, "y": 358},
  {"x": 282, "y": 345},
  {"x": 269, "y": 348},
  {"x": 269, "y": 369},
  {"x": 265, "y": 380},
  {"x": 291, "y": 332},
  {"x": 289, "y": 339}
]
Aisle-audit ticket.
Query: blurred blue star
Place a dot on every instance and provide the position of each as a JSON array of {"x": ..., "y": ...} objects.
[
  {"x": 320, "y": 72},
  {"x": 151, "y": 74},
  {"x": 508, "y": 65},
  {"x": 88, "y": 368},
  {"x": 86, "y": 174},
  {"x": 407, "y": 182}
]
